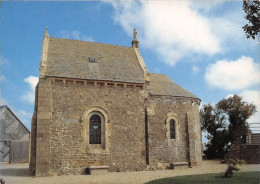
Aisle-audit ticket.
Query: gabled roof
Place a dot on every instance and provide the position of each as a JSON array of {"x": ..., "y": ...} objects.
[
  {"x": 70, "y": 59},
  {"x": 161, "y": 85},
  {"x": 2, "y": 107},
  {"x": 6, "y": 108}
]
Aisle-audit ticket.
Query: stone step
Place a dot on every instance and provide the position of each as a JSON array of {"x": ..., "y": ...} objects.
[
  {"x": 97, "y": 170},
  {"x": 180, "y": 165}
]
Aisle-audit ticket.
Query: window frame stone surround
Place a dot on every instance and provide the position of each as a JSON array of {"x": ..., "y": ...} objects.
[
  {"x": 95, "y": 148},
  {"x": 172, "y": 116}
]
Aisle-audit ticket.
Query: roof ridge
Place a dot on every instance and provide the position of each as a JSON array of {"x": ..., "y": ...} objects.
[
  {"x": 91, "y": 42},
  {"x": 17, "y": 118},
  {"x": 162, "y": 85},
  {"x": 159, "y": 73}
]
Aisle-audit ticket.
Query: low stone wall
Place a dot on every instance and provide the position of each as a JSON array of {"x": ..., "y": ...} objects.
[
  {"x": 249, "y": 153},
  {"x": 234, "y": 151}
]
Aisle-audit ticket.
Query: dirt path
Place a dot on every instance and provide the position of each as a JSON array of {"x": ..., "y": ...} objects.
[{"x": 18, "y": 174}]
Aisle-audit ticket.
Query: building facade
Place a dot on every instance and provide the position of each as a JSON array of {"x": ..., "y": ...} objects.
[
  {"x": 97, "y": 104},
  {"x": 14, "y": 137}
]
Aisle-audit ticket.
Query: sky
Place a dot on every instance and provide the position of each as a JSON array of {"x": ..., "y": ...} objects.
[{"x": 200, "y": 45}]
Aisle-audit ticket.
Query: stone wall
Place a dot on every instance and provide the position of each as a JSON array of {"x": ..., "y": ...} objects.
[
  {"x": 234, "y": 151},
  {"x": 126, "y": 127},
  {"x": 40, "y": 134},
  {"x": 136, "y": 128},
  {"x": 194, "y": 132},
  {"x": 162, "y": 149},
  {"x": 250, "y": 153},
  {"x": 32, "y": 160}
]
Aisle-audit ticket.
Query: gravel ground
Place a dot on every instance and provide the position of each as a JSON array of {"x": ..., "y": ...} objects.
[{"x": 19, "y": 174}]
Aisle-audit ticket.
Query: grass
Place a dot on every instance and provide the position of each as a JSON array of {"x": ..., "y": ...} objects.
[{"x": 238, "y": 178}]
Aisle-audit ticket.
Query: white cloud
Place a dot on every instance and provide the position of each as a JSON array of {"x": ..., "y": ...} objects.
[
  {"x": 202, "y": 103},
  {"x": 234, "y": 74},
  {"x": 75, "y": 35},
  {"x": 253, "y": 96},
  {"x": 32, "y": 81},
  {"x": 29, "y": 95},
  {"x": 172, "y": 28},
  {"x": 195, "y": 69},
  {"x": 178, "y": 29},
  {"x": 228, "y": 96}
]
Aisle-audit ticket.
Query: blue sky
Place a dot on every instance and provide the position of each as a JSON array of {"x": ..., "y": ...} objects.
[{"x": 200, "y": 45}]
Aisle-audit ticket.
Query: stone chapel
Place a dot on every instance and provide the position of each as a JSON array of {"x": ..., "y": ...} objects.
[{"x": 97, "y": 106}]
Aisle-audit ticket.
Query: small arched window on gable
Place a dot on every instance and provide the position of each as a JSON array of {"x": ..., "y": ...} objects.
[
  {"x": 95, "y": 129},
  {"x": 172, "y": 129}
]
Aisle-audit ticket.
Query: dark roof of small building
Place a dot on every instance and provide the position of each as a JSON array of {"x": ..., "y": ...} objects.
[
  {"x": 70, "y": 59},
  {"x": 162, "y": 85}
]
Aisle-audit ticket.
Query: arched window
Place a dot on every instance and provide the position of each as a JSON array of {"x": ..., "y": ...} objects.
[
  {"x": 172, "y": 129},
  {"x": 95, "y": 129}
]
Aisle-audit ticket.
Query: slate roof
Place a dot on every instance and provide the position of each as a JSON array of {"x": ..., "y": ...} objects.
[
  {"x": 70, "y": 59},
  {"x": 162, "y": 85}
]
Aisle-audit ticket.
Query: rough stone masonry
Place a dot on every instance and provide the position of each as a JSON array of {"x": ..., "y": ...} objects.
[{"x": 96, "y": 104}]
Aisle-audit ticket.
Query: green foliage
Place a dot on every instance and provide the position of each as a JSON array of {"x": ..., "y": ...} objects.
[
  {"x": 232, "y": 166},
  {"x": 238, "y": 113},
  {"x": 214, "y": 123},
  {"x": 225, "y": 123},
  {"x": 238, "y": 178},
  {"x": 252, "y": 9}
]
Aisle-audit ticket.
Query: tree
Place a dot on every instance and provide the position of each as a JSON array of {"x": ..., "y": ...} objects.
[
  {"x": 238, "y": 113},
  {"x": 252, "y": 9},
  {"x": 225, "y": 123},
  {"x": 214, "y": 124}
]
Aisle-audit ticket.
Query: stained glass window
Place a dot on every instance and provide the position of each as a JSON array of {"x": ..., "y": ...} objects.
[
  {"x": 95, "y": 129},
  {"x": 172, "y": 129}
]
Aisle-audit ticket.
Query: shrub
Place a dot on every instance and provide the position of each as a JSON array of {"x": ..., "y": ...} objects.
[{"x": 232, "y": 166}]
